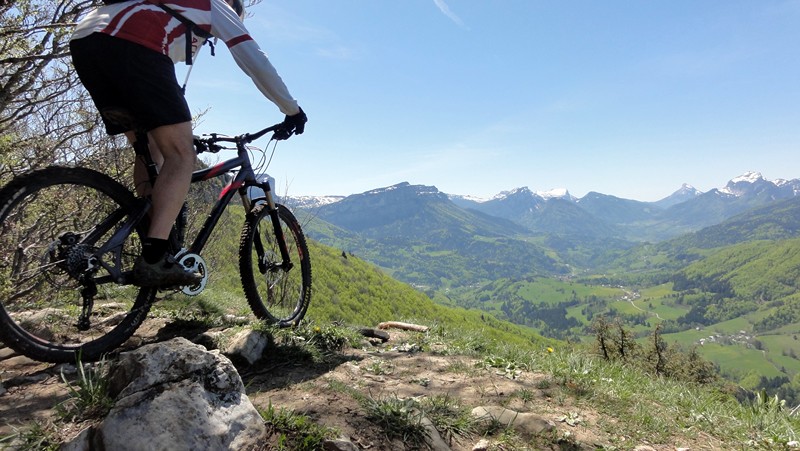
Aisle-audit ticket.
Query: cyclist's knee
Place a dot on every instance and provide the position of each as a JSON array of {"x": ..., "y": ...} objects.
[{"x": 175, "y": 142}]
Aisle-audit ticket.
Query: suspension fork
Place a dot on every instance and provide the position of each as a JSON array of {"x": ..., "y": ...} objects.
[{"x": 286, "y": 263}]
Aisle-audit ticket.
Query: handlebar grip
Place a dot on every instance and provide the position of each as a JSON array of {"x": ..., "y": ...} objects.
[
  {"x": 199, "y": 145},
  {"x": 282, "y": 134}
]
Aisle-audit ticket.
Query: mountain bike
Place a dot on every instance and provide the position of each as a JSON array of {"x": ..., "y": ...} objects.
[{"x": 69, "y": 237}]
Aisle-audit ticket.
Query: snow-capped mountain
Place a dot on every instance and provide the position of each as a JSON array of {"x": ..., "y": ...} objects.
[
  {"x": 556, "y": 193},
  {"x": 595, "y": 215},
  {"x": 684, "y": 193},
  {"x": 754, "y": 184},
  {"x": 311, "y": 202}
]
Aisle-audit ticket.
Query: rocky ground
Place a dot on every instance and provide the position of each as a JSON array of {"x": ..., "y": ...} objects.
[{"x": 324, "y": 393}]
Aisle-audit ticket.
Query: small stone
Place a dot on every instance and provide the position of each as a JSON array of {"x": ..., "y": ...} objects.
[
  {"x": 339, "y": 445},
  {"x": 247, "y": 344}
]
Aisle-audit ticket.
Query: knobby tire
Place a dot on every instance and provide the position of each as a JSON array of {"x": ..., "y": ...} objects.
[
  {"x": 40, "y": 299},
  {"x": 275, "y": 295}
]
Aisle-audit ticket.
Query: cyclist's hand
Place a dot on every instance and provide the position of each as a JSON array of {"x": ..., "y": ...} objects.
[
  {"x": 199, "y": 146},
  {"x": 297, "y": 122}
]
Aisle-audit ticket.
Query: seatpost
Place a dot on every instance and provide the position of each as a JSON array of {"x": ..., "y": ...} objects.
[{"x": 142, "y": 148}]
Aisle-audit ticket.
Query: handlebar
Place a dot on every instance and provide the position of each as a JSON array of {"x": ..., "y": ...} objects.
[{"x": 210, "y": 142}]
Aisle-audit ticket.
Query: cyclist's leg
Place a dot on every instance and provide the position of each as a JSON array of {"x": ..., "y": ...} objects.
[
  {"x": 175, "y": 146},
  {"x": 157, "y": 267}
]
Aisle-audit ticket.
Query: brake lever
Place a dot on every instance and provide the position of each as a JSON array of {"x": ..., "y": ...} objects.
[
  {"x": 199, "y": 145},
  {"x": 282, "y": 134}
]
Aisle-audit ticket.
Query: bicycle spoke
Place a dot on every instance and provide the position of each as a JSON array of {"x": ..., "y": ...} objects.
[
  {"x": 274, "y": 292},
  {"x": 50, "y": 226}
]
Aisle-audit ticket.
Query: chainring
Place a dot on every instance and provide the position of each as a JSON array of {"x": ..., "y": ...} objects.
[{"x": 194, "y": 263}]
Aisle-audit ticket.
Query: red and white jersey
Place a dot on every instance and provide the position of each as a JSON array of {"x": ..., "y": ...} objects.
[{"x": 147, "y": 24}]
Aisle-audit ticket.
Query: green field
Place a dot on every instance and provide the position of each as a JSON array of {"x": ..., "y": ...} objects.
[{"x": 555, "y": 291}]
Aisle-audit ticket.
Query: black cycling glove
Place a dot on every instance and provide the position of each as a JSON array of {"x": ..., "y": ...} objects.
[{"x": 296, "y": 123}]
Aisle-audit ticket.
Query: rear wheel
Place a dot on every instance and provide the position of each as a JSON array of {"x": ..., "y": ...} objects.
[
  {"x": 276, "y": 293},
  {"x": 52, "y": 222}
]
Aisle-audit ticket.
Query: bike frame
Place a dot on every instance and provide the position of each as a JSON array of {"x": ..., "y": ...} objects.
[{"x": 244, "y": 179}]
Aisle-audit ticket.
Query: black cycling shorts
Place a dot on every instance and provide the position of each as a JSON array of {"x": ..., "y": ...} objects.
[{"x": 121, "y": 74}]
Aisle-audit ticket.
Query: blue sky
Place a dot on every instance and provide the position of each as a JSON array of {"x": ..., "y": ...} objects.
[{"x": 628, "y": 98}]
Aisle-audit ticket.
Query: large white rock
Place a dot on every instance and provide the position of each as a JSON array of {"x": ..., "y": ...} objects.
[{"x": 176, "y": 395}]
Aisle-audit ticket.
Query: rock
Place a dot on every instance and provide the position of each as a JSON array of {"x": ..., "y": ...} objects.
[
  {"x": 375, "y": 333},
  {"x": 208, "y": 339},
  {"x": 527, "y": 425},
  {"x": 482, "y": 445},
  {"x": 248, "y": 345},
  {"x": 176, "y": 395},
  {"x": 339, "y": 445},
  {"x": 6, "y": 353},
  {"x": 432, "y": 438},
  {"x": 82, "y": 442}
]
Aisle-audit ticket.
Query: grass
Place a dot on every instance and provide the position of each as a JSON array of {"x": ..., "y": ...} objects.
[
  {"x": 406, "y": 418},
  {"x": 36, "y": 437},
  {"x": 552, "y": 291},
  {"x": 739, "y": 360},
  {"x": 295, "y": 431},
  {"x": 450, "y": 418},
  {"x": 88, "y": 395},
  {"x": 655, "y": 409},
  {"x": 378, "y": 367},
  {"x": 398, "y": 418}
]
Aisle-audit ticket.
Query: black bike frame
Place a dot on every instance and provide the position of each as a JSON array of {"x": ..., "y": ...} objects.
[{"x": 244, "y": 179}]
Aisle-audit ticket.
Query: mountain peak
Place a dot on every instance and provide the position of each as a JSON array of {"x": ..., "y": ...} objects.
[
  {"x": 525, "y": 191},
  {"x": 748, "y": 177},
  {"x": 555, "y": 193},
  {"x": 744, "y": 183},
  {"x": 405, "y": 188},
  {"x": 684, "y": 193}
]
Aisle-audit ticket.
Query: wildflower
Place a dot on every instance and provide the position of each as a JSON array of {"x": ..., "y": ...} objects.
[{"x": 550, "y": 350}]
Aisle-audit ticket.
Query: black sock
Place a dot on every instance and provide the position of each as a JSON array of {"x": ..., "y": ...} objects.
[{"x": 153, "y": 249}]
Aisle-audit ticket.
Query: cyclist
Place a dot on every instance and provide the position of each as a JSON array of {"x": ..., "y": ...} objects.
[{"x": 124, "y": 53}]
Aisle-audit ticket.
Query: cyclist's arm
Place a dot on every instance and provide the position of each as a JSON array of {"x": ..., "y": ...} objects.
[{"x": 251, "y": 59}]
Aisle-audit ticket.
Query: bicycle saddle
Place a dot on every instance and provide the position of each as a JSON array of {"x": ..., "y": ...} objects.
[{"x": 122, "y": 117}]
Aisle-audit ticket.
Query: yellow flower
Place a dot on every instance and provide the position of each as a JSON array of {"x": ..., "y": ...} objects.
[
  {"x": 549, "y": 349},
  {"x": 317, "y": 329}
]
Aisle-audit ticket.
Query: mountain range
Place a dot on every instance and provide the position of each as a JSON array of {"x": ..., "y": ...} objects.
[{"x": 430, "y": 238}]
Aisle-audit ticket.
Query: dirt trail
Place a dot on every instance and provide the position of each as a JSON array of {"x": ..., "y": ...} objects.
[{"x": 325, "y": 392}]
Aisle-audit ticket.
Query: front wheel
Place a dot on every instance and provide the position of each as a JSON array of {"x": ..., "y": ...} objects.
[{"x": 276, "y": 291}]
